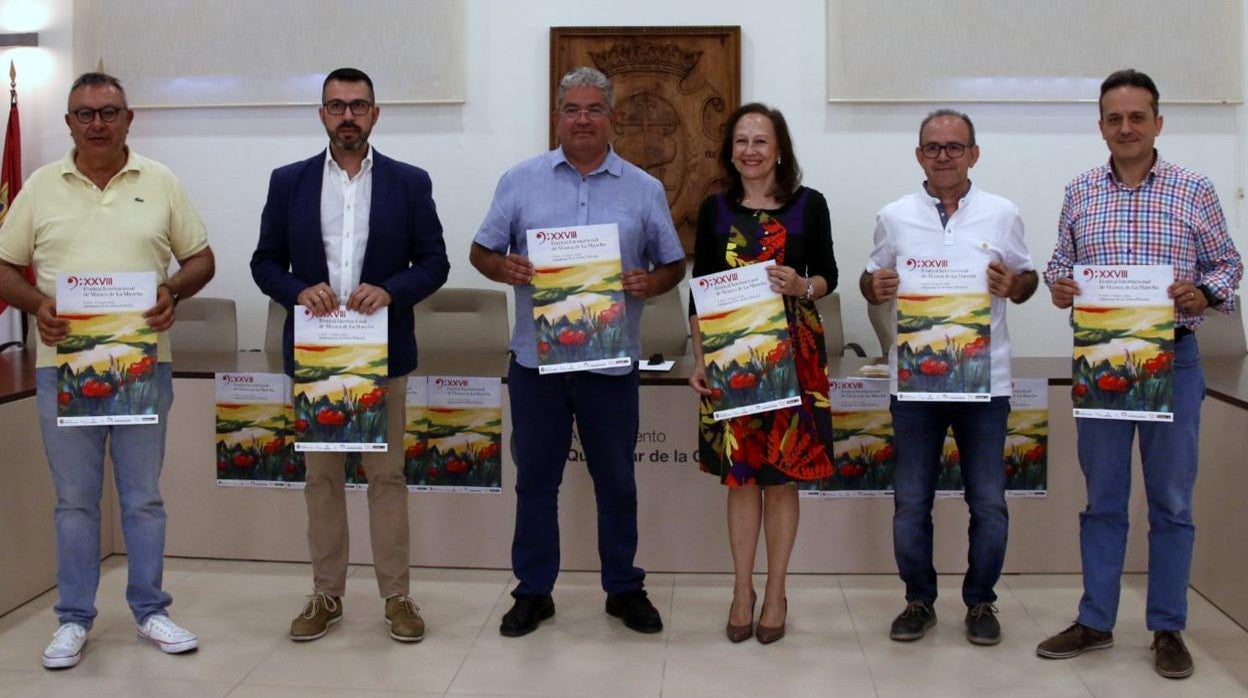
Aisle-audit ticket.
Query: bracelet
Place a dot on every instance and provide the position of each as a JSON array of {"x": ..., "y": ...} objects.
[{"x": 810, "y": 289}]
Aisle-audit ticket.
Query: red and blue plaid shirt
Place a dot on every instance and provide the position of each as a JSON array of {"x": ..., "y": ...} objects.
[{"x": 1173, "y": 217}]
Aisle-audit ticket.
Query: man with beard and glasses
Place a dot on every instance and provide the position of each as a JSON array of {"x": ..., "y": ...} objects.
[{"x": 351, "y": 227}]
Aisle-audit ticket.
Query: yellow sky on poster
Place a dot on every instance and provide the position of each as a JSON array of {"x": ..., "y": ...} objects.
[
  {"x": 586, "y": 276},
  {"x": 121, "y": 327},
  {"x": 266, "y": 417},
  {"x": 467, "y": 422},
  {"x": 758, "y": 320},
  {"x": 958, "y": 307},
  {"x": 1138, "y": 322}
]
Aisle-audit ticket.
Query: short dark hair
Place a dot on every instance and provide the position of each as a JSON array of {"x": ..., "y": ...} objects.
[
  {"x": 788, "y": 172},
  {"x": 95, "y": 80},
  {"x": 349, "y": 75},
  {"x": 1129, "y": 77},
  {"x": 948, "y": 112}
]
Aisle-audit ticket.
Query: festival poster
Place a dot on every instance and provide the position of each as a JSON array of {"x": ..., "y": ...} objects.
[
  {"x": 1026, "y": 445},
  {"x": 1124, "y": 343},
  {"x": 864, "y": 456},
  {"x": 255, "y": 432},
  {"x": 341, "y": 362},
  {"x": 416, "y": 429},
  {"x": 463, "y": 437},
  {"x": 1027, "y": 439},
  {"x": 745, "y": 342},
  {"x": 106, "y": 367},
  {"x": 864, "y": 446},
  {"x": 944, "y": 322},
  {"x": 578, "y": 298}
]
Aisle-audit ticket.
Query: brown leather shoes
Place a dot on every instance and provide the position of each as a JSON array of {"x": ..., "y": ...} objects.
[
  {"x": 741, "y": 633},
  {"x": 403, "y": 617},
  {"x": 767, "y": 634},
  {"x": 1171, "y": 658}
]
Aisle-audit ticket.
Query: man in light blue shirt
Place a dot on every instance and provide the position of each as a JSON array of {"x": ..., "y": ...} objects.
[{"x": 582, "y": 182}]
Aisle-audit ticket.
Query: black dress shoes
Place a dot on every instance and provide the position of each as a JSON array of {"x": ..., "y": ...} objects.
[
  {"x": 525, "y": 615},
  {"x": 635, "y": 609}
]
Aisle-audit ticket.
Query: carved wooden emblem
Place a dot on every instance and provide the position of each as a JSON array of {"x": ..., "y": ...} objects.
[{"x": 674, "y": 90}]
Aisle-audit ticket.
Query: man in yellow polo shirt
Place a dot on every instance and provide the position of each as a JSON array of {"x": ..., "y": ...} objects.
[{"x": 103, "y": 208}]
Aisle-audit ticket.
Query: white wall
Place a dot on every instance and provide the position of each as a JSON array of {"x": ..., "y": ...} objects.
[{"x": 860, "y": 156}]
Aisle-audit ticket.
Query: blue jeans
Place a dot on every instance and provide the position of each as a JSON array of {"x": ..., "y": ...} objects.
[
  {"x": 1169, "y": 455},
  {"x": 76, "y": 458},
  {"x": 606, "y": 413},
  {"x": 979, "y": 429}
]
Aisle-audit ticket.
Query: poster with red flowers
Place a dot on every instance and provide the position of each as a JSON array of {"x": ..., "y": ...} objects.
[
  {"x": 415, "y": 429},
  {"x": 341, "y": 362},
  {"x": 1027, "y": 438},
  {"x": 864, "y": 447},
  {"x": 863, "y": 452},
  {"x": 944, "y": 322},
  {"x": 578, "y": 298},
  {"x": 458, "y": 445},
  {"x": 106, "y": 367},
  {"x": 745, "y": 342},
  {"x": 1124, "y": 343},
  {"x": 255, "y": 433}
]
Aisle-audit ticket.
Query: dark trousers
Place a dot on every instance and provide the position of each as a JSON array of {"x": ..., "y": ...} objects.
[
  {"x": 606, "y": 414},
  {"x": 979, "y": 430}
]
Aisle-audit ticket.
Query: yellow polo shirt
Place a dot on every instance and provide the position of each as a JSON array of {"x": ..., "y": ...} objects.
[{"x": 64, "y": 224}]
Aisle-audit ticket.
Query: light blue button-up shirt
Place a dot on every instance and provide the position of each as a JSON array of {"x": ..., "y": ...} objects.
[{"x": 548, "y": 192}]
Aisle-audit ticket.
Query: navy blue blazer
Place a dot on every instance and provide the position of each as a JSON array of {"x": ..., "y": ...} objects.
[{"x": 405, "y": 253}]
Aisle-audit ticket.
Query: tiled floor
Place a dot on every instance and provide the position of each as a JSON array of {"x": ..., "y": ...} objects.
[{"x": 837, "y": 644}]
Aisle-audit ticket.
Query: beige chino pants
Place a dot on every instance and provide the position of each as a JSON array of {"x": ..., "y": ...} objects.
[{"x": 328, "y": 539}]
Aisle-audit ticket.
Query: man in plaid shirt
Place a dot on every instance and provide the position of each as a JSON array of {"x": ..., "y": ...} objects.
[{"x": 1140, "y": 209}]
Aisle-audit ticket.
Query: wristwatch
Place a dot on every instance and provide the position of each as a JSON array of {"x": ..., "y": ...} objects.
[{"x": 173, "y": 293}]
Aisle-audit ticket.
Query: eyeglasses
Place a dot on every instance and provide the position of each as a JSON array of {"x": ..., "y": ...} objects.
[
  {"x": 593, "y": 111},
  {"x": 86, "y": 115},
  {"x": 337, "y": 107},
  {"x": 931, "y": 151}
]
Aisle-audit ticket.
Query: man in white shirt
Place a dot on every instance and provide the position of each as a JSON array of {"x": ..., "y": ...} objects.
[
  {"x": 351, "y": 227},
  {"x": 952, "y": 219}
]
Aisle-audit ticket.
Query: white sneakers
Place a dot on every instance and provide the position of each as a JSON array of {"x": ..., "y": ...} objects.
[
  {"x": 167, "y": 635},
  {"x": 65, "y": 650}
]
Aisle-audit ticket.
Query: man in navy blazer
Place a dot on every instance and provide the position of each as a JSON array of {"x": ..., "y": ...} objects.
[{"x": 351, "y": 227}]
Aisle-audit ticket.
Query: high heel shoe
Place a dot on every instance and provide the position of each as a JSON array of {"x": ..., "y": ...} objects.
[
  {"x": 767, "y": 634},
  {"x": 741, "y": 633}
]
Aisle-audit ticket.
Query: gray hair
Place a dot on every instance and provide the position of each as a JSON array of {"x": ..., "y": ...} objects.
[
  {"x": 96, "y": 80},
  {"x": 584, "y": 76},
  {"x": 947, "y": 112}
]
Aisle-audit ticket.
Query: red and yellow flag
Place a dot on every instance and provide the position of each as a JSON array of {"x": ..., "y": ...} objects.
[{"x": 11, "y": 163}]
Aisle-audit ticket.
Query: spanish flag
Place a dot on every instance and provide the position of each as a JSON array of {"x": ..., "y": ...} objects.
[{"x": 11, "y": 164}]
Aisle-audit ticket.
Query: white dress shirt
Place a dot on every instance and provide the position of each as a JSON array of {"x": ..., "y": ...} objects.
[
  {"x": 345, "y": 205},
  {"x": 984, "y": 226}
]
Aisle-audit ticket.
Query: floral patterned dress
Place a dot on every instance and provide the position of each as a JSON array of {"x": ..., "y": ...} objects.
[{"x": 794, "y": 443}]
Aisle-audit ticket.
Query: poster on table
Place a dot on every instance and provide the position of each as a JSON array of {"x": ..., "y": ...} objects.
[
  {"x": 255, "y": 429},
  {"x": 106, "y": 366},
  {"x": 454, "y": 436},
  {"x": 745, "y": 342},
  {"x": 341, "y": 361},
  {"x": 578, "y": 298},
  {"x": 864, "y": 449},
  {"x": 1124, "y": 343},
  {"x": 944, "y": 323},
  {"x": 863, "y": 454}
]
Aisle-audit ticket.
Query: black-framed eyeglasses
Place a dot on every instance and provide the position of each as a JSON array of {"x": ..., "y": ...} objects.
[
  {"x": 931, "y": 151},
  {"x": 593, "y": 111},
  {"x": 337, "y": 107},
  {"x": 85, "y": 115}
]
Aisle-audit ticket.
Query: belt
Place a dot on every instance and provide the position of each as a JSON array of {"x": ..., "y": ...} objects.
[{"x": 1181, "y": 332}]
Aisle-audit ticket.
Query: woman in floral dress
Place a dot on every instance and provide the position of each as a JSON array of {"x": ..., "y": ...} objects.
[{"x": 766, "y": 215}]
